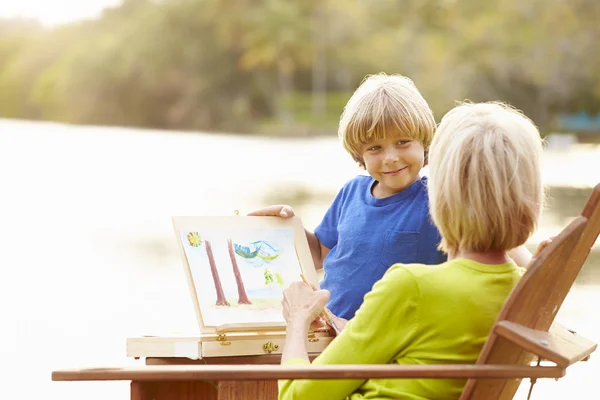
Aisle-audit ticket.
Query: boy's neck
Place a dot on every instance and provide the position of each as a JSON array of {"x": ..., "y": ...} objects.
[
  {"x": 381, "y": 193},
  {"x": 487, "y": 257}
]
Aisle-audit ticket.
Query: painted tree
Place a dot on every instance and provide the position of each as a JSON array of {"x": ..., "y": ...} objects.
[
  {"x": 242, "y": 295},
  {"x": 221, "y": 300},
  {"x": 279, "y": 279},
  {"x": 268, "y": 277},
  {"x": 273, "y": 277}
]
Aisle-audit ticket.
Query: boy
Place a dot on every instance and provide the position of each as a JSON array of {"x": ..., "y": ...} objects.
[{"x": 381, "y": 219}]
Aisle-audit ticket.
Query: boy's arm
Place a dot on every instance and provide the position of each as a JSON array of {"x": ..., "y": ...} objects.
[
  {"x": 521, "y": 256},
  {"x": 317, "y": 250},
  {"x": 324, "y": 252}
]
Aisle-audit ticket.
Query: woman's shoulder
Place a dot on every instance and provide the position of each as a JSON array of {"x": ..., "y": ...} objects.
[
  {"x": 414, "y": 271},
  {"x": 404, "y": 276}
]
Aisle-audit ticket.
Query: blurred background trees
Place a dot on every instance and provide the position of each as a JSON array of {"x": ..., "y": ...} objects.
[{"x": 288, "y": 67}]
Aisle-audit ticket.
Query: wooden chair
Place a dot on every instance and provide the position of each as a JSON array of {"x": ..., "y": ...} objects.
[{"x": 522, "y": 332}]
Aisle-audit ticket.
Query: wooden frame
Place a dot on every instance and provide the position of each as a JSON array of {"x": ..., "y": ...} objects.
[{"x": 524, "y": 330}]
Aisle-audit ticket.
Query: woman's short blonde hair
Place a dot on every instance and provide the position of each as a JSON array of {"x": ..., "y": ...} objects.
[
  {"x": 385, "y": 105},
  {"x": 485, "y": 188}
]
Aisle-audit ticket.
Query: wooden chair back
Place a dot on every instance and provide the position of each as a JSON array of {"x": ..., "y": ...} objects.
[{"x": 536, "y": 299}]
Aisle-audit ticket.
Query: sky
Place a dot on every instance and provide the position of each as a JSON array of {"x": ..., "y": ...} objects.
[{"x": 54, "y": 12}]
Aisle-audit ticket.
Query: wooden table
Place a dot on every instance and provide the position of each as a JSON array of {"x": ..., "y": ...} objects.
[
  {"x": 221, "y": 390},
  {"x": 217, "y": 390}
]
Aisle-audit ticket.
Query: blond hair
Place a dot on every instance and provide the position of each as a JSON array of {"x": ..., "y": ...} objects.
[
  {"x": 484, "y": 186},
  {"x": 385, "y": 105}
]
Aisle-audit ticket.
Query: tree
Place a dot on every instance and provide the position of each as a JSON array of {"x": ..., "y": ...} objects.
[
  {"x": 234, "y": 65},
  {"x": 242, "y": 295},
  {"x": 278, "y": 36},
  {"x": 221, "y": 300}
]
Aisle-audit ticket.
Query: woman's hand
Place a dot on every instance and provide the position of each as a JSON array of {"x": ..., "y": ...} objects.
[
  {"x": 302, "y": 304},
  {"x": 283, "y": 211}
]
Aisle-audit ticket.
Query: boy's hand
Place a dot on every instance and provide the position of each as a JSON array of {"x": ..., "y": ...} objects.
[
  {"x": 319, "y": 324},
  {"x": 340, "y": 323},
  {"x": 283, "y": 211},
  {"x": 542, "y": 246}
]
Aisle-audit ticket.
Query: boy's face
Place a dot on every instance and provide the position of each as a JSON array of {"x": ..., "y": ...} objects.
[{"x": 394, "y": 162}]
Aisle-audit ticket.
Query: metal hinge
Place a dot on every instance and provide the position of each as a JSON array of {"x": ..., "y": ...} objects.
[
  {"x": 223, "y": 339},
  {"x": 312, "y": 338},
  {"x": 270, "y": 347}
]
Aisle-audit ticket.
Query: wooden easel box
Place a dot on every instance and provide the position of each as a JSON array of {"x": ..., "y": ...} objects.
[
  {"x": 219, "y": 345},
  {"x": 233, "y": 339}
]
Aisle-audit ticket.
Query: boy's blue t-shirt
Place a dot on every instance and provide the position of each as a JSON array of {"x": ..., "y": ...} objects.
[{"x": 367, "y": 235}]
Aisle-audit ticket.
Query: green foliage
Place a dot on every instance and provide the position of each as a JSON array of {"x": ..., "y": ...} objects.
[
  {"x": 281, "y": 66},
  {"x": 299, "y": 105},
  {"x": 279, "y": 279},
  {"x": 268, "y": 277}
]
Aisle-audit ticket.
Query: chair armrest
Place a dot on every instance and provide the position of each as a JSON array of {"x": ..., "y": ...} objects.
[
  {"x": 559, "y": 328},
  {"x": 275, "y": 372},
  {"x": 559, "y": 345}
]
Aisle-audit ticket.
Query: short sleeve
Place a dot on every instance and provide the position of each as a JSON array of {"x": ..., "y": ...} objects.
[
  {"x": 429, "y": 239},
  {"x": 327, "y": 230}
]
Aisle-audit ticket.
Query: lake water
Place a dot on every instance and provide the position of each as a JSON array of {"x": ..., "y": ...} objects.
[{"x": 88, "y": 258}]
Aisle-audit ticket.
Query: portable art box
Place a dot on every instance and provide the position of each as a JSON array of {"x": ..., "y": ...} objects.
[{"x": 236, "y": 268}]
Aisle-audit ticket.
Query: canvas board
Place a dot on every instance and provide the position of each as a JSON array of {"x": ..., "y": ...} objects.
[{"x": 238, "y": 266}]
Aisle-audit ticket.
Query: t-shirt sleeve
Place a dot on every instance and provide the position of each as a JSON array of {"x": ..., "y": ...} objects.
[
  {"x": 383, "y": 327},
  {"x": 327, "y": 230},
  {"x": 429, "y": 240}
]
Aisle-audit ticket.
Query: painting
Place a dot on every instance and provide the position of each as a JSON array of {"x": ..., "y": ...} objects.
[{"x": 239, "y": 274}]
